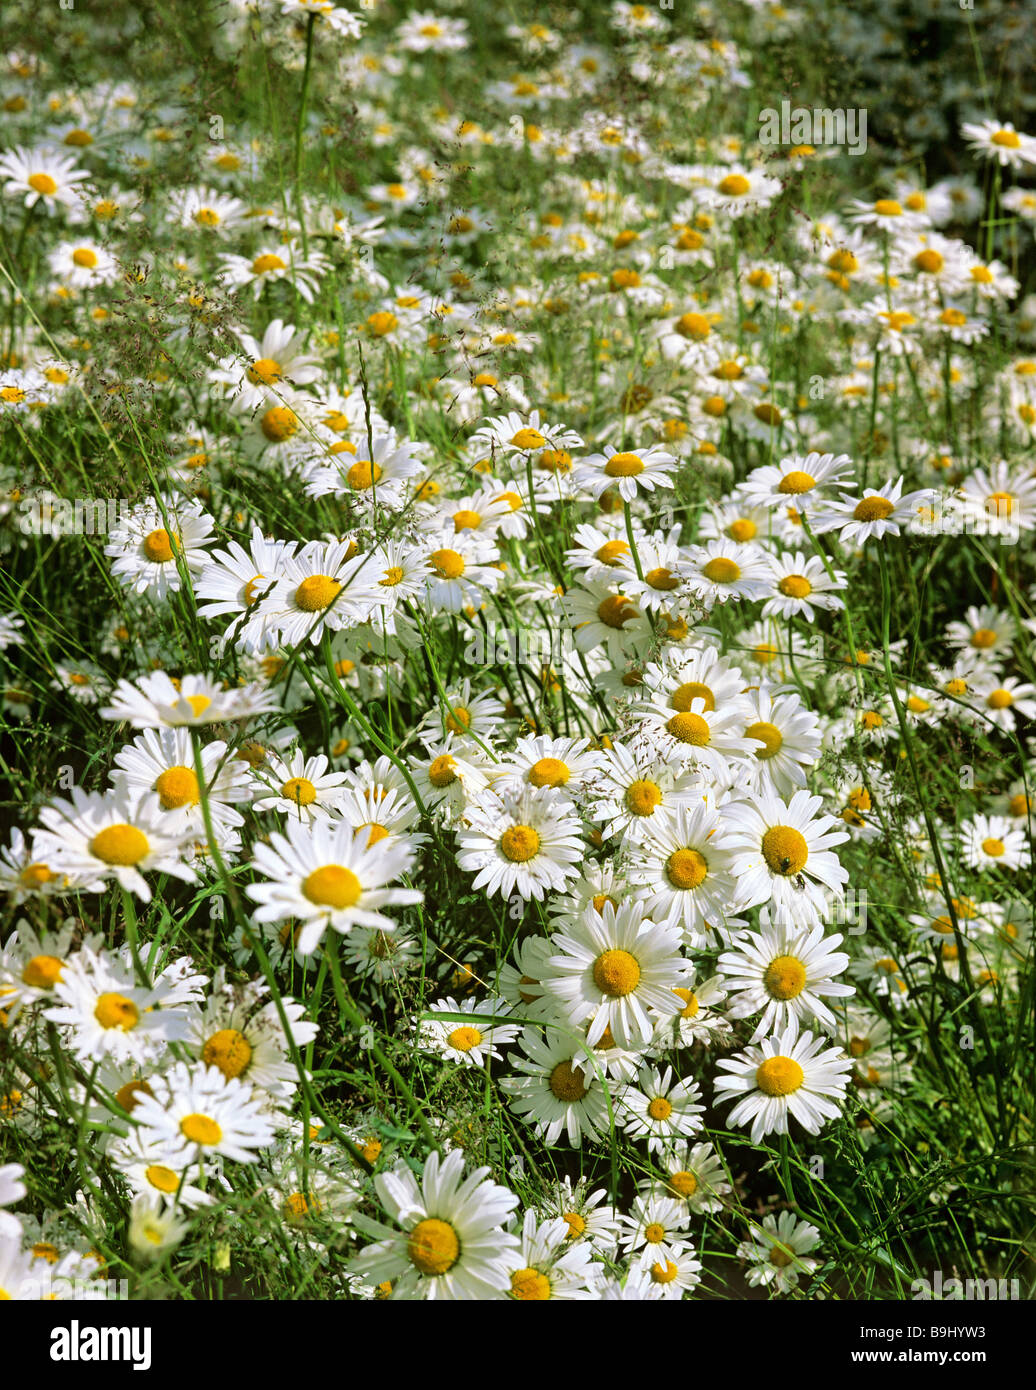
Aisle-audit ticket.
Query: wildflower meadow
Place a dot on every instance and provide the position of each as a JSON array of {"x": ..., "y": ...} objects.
[{"x": 517, "y": 634}]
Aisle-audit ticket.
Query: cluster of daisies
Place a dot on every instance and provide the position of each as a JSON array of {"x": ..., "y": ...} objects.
[{"x": 479, "y": 686}]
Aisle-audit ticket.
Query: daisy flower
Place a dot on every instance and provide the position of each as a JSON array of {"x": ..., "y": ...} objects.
[
  {"x": 282, "y": 261},
  {"x": 985, "y": 633},
  {"x": 460, "y": 571},
  {"x": 672, "y": 1278},
  {"x": 263, "y": 364},
  {"x": 784, "y": 1076},
  {"x": 83, "y": 265},
  {"x": 558, "y": 1092},
  {"x": 145, "y": 545},
  {"x": 628, "y": 472},
  {"x": 161, "y": 761},
  {"x": 452, "y": 1242},
  {"x": 515, "y": 434},
  {"x": 547, "y": 1266},
  {"x": 777, "y": 1251},
  {"x": 785, "y": 975},
  {"x": 703, "y": 738},
  {"x": 42, "y": 178},
  {"x": 680, "y": 872},
  {"x": 877, "y": 513},
  {"x": 633, "y": 787},
  {"x": 788, "y": 740},
  {"x": 993, "y": 140},
  {"x": 206, "y": 210},
  {"x": 323, "y": 588},
  {"x": 564, "y": 764},
  {"x": 299, "y": 787},
  {"x": 241, "y": 1036},
  {"x": 527, "y": 842},
  {"x": 427, "y": 32},
  {"x": 371, "y": 473},
  {"x": 660, "y": 1109},
  {"x": 588, "y": 1215},
  {"x": 471, "y": 1044},
  {"x": 155, "y": 701},
  {"x": 104, "y": 1012},
  {"x": 599, "y": 616},
  {"x": 612, "y": 967},
  {"x": 447, "y": 778},
  {"x": 196, "y": 1113},
  {"x": 782, "y": 854},
  {"x": 798, "y": 480},
  {"x": 721, "y": 570},
  {"x": 236, "y": 579},
  {"x": 654, "y": 1231},
  {"x": 800, "y": 586},
  {"x": 991, "y": 842},
  {"x": 1003, "y": 701},
  {"x": 115, "y": 836},
  {"x": 698, "y": 1021},
  {"x": 694, "y": 1175},
  {"x": 326, "y": 877}
]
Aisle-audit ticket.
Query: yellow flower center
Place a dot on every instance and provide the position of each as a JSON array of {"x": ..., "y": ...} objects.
[
  {"x": 721, "y": 570},
  {"x": 642, "y": 797},
  {"x": 176, "y": 787},
  {"x": 161, "y": 1178},
  {"x": 654, "y": 1233},
  {"x": 983, "y": 638},
  {"x": 686, "y": 868},
  {"x": 873, "y": 509},
  {"x": 684, "y": 1184},
  {"x": 664, "y": 1273},
  {"x": 929, "y": 262},
  {"x": 458, "y": 719},
  {"x": 1006, "y": 139},
  {"x": 116, "y": 1011},
  {"x": 264, "y": 371},
  {"x": 689, "y": 728},
  {"x": 615, "y": 610},
  {"x": 994, "y": 848},
  {"x": 795, "y": 586},
  {"x": 464, "y": 1039},
  {"x": 785, "y": 850},
  {"x": 1002, "y": 503},
  {"x": 433, "y": 1247},
  {"x": 42, "y": 972},
  {"x": 201, "y": 1129},
  {"x": 785, "y": 977},
  {"x": 734, "y": 186},
  {"x": 796, "y": 482},
  {"x": 442, "y": 770},
  {"x": 42, "y": 183},
  {"x": 693, "y": 326},
  {"x": 122, "y": 845},
  {"x": 159, "y": 546},
  {"x": 528, "y": 1284},
  {"x": 299, "y": 790},
  {"x": 262, "y": 265},
  {"x": 549, "y": 772},
  {"x": 229, "y": 1050},
  {"x": 661, "y": 579},
  {"x": 624, "y": 466},
  {"x": 528, "y": 439},
  {"x": 279, "y": 423},
  {"x": 83, "y": 257},
  {"x": 317, "y": 593},
  {"x": 888, "y": 207},
  {"x": 567, "y": 1082},
  {"x": 575, "y": 1223},
  {"x": 616, "y": 973},
  {"x": 779, "y": 1076},
  {"x": 659, "y": 1108},
  {"x": 35, "y": 875},
  {"x": 769, "y": 735},
  {"x": 519, "y": 843},
  {"x": 447, "y": 564},
  {"x": 332, "y": 886},
  {"x": 363, "y": 475}
]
